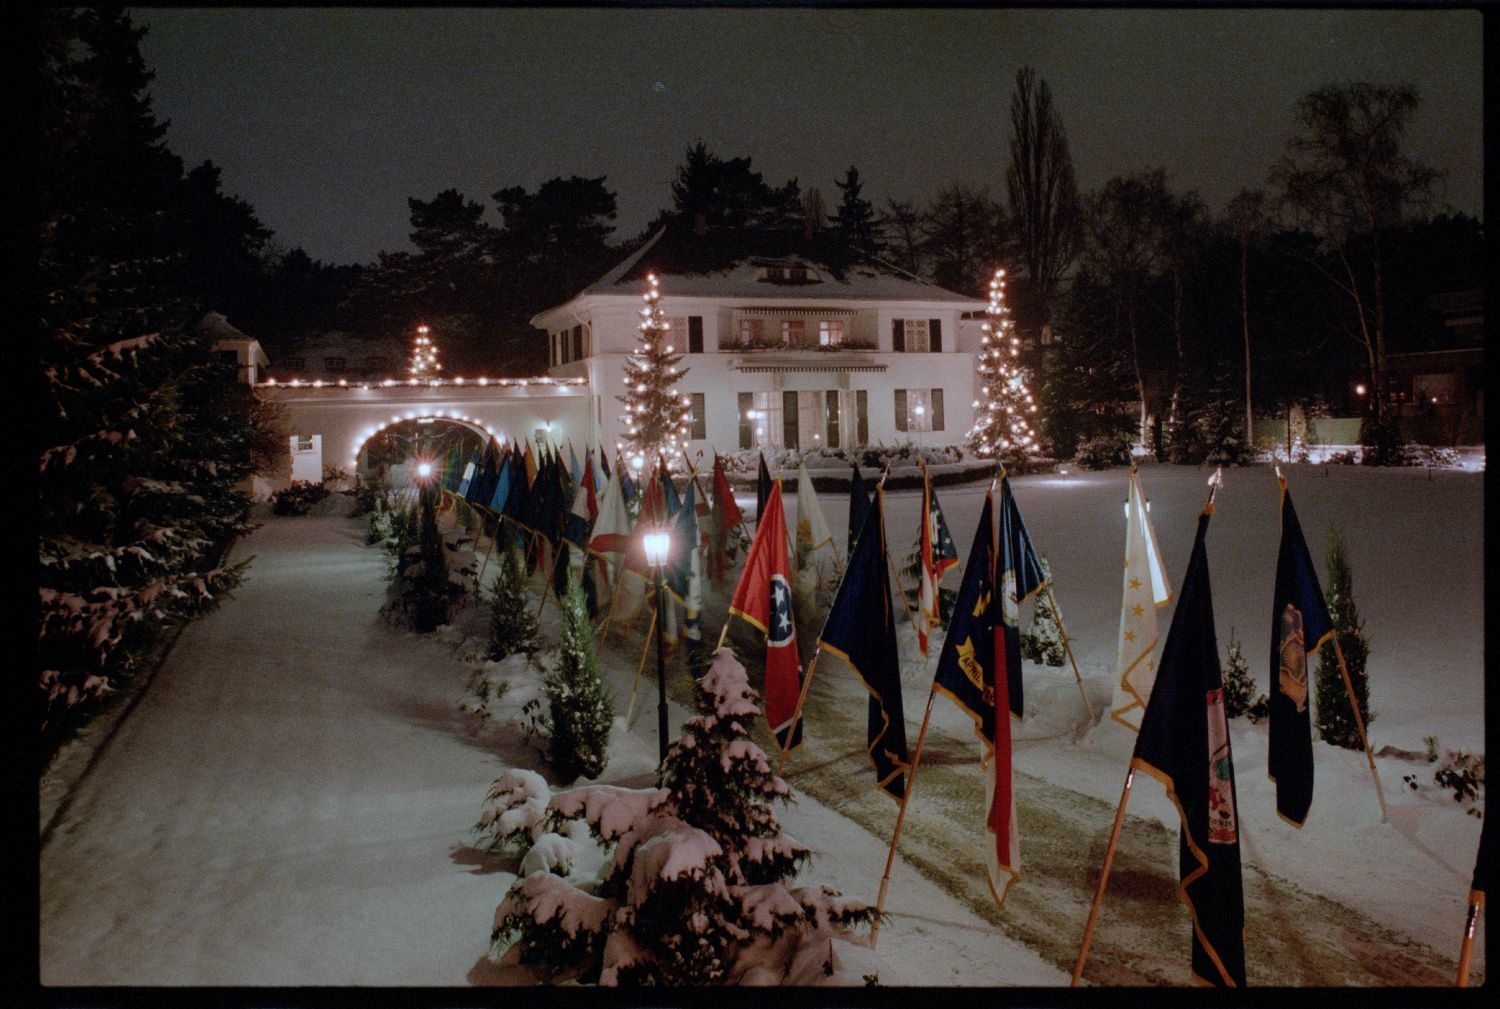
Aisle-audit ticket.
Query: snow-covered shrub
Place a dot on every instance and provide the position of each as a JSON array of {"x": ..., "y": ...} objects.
[
  {"x": 491, "y": 681},
  {"x": 1335, "y": 718},
  {"x": 1382, "y": 442},
  {"x": 1103, "y": 452},
  {"x": 1239, "y": 687},
  {"x": 695, "y": 891},
  {"x": 515, "y": 810},
  {"x": 1461, "y": 773},
  {"x": 1042, "y": 642},
  {"x": 579, "y": 710},
  {"x": 297, "y": 499},
  {"x": 513, "y": 626}
]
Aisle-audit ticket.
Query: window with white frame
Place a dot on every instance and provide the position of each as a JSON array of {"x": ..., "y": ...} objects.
[
  {"x": 761, "y": 420},
  {"x": 752, "y": 331},
  {"x": 791, "y": 332},
  {"x": 916, "y": 335},
  {"x": 830, "y": 332},
  {"x": 919, "y": 410}
]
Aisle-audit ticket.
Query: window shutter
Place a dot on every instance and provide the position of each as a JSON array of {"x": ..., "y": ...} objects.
[
  {"x": 935, "y": 335},
  {"x": 789, "y": 420},
  {"x": 578, "y": 343},
  {"x": 695, "y": 334},
  {"x": 831, "y": 398},
  {"x": 937, "y": 409},
  {"x": 898, "y": 335},
  {"x": 900, "y": 409},
  {"x": 747, "y": 427},
  {"x": 700, "y": 416},
  {"x": 861, "y": 416}
]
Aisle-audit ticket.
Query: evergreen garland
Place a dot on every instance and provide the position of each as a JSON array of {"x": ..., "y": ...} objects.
[
  {"x": 579, "y": 709},
  {"x": 1001, "y": 426},
  {"x": 1335, "y": 718},
  {"x": 656, "y": 417},
  {"x": 1042, "y": 642},
  {"x": 513, "y": 626}
]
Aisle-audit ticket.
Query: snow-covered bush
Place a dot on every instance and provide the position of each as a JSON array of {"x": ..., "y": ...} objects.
[
  {"x": 696, "y": 888},
  {"x": 1239, "y": 686},
  {"x": 579, "y": 710},
  {"x": 297, "y": 499},
  {"x": 1042, "y": 642},
  {"x": 745, "y": 463},
  {"x": 515, "y": 809},
  {"x": 513, "y": 626},
  {"x": 1335, "y": 718},
  {"x": 1103, "y": 452},
  {"x": 491, "y": 681},
  {"x": 1461, "y": 773}
]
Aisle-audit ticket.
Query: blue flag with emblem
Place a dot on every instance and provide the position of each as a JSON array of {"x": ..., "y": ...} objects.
[
  {"x": 1299, "y": 626},
  {"x": 861, "y": 630},
  {"x": 468, "y": 475}
]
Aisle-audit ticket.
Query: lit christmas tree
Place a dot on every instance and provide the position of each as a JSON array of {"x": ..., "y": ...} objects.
[
  {"x": 656, "y": 418},
  {"x": 1000, "y": 424},
  {"x": 424, "y": 362}
]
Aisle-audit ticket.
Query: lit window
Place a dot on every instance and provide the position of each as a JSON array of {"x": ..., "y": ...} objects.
[
  {"x": 791, "y": 332},
  {"x": 830, "y": 332}
]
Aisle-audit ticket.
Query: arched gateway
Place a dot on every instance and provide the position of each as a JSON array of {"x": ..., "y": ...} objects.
[{"x": 332, "y": 424}]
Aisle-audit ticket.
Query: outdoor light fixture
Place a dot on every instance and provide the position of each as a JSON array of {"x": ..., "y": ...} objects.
[
  {"x": 424, "y": 471},
  {"x": 657, "y": 544},
  {"x": 1359, "y": 389}
]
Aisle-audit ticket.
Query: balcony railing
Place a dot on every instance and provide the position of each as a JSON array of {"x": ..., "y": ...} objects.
[{"x": 768, "y": 343}]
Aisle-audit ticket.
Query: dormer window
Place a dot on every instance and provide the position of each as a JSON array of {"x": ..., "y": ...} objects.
[{"x": 789, "y": 274}]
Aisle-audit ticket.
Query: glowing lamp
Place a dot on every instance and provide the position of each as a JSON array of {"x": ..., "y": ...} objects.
[
  {"x": 1359, "y": 390},
  {"x": 424, "y": 471},
  {"x": 657, "y": 544}
]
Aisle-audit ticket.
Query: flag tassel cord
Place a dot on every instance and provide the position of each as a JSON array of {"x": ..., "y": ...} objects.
[
  {"x": 1360, "y": 723},
  {"x": 791, "y": 729},
  {"x": 1109, "y": 857},
  {"x": 1466, "y": 951},
  {"x": 640, "y": 668},
  {"x": 911, "y": 779},
  {"x": 1068, "y": 647}
]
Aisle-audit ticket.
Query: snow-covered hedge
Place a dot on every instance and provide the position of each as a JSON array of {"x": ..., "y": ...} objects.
[
  {"x": 696, "y": 886},
  {"x": 744, "y": 464}
]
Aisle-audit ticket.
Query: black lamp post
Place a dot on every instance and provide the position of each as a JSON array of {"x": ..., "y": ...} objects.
[{"x": 657, "y": 545}]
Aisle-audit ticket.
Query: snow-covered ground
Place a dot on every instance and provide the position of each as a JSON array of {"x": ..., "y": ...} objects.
[{"x": 291, "y": 801}]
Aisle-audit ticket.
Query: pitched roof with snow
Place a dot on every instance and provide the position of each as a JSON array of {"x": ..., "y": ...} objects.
[{"x": 733, "y": 263}]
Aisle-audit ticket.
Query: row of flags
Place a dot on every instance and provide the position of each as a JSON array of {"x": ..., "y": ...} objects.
[{"x": 1175, "y": 707}]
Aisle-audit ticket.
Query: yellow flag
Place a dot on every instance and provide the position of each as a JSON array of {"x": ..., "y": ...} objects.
[{"x": 1146, "y": 589}]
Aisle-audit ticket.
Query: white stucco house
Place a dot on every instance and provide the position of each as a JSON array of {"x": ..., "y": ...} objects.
[{"x": 782, "y": 348}]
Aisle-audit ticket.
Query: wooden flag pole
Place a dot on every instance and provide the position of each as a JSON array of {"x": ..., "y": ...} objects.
[
  {"x": 911, "y": 778},
  {"x": 1109, "y": 857},
  {"x": 724, "y": 632},
  {"x": 1068, "y": 647},
  {"x": 480, "y": 579},
  {"x": 1466, "y": 951},
  {"x": 1360, "y": 723},
  {"x": 645, "y": 648},
  {"x": 791, "y": 729}
]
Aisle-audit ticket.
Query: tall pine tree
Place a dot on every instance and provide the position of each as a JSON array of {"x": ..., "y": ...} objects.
[{"x": 144, "y": 434}]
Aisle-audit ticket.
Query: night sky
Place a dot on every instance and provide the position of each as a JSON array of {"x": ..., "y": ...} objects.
[{"x": 326, "y": 120}]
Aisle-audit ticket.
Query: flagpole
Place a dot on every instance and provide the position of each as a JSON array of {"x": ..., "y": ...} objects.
[
  {"x": 1360, "y": 723},
  {"x": 890, "y": 564},
  {"x": 1068, "y": 647},
  {"x": 1466, "y": 951},
  {"x": 1109, "y": 857},
  {"x": 645, "y": 647},
  {"x": 791, "y": 729},
  {"x": 480, "y": 580},
  {"x": 911, "y": 778}
]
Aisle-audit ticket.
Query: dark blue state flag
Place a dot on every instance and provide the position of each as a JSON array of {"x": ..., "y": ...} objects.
[
  {"x": 861, "y": 630},
  {"x": 1299, "y": 626},
  {"x": 762, "y": 487},
  {"x": 859, "y": 505},
  {"x": 669, "y": 492},
  {"x": 1184, "y": 743},
  {"x": 1019, "y": 572}
]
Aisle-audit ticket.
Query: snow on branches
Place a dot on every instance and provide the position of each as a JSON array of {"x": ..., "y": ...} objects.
[{"x": 695, "y": 890}]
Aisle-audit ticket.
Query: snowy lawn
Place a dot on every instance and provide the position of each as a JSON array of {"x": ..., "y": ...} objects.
[{"x": 292, "y": 801}]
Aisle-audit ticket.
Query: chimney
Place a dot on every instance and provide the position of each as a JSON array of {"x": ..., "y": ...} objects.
[{"x": 700, "y": 223}]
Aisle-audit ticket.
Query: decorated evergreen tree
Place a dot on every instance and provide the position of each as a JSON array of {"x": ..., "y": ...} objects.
[
  {"x": 1042, "y": 642},
  {"x": 656, "y": 417},
  {"x": 513, "y": 626},
  {"x": 1335, "y": 718},
  {"x": 578, "y": 705},
  {"x": 1239, "y": 686},
  {"x": 1001, "y": 425},
  {"x": 424, "y": 365},
  {"x": 697, "y": 888}
]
